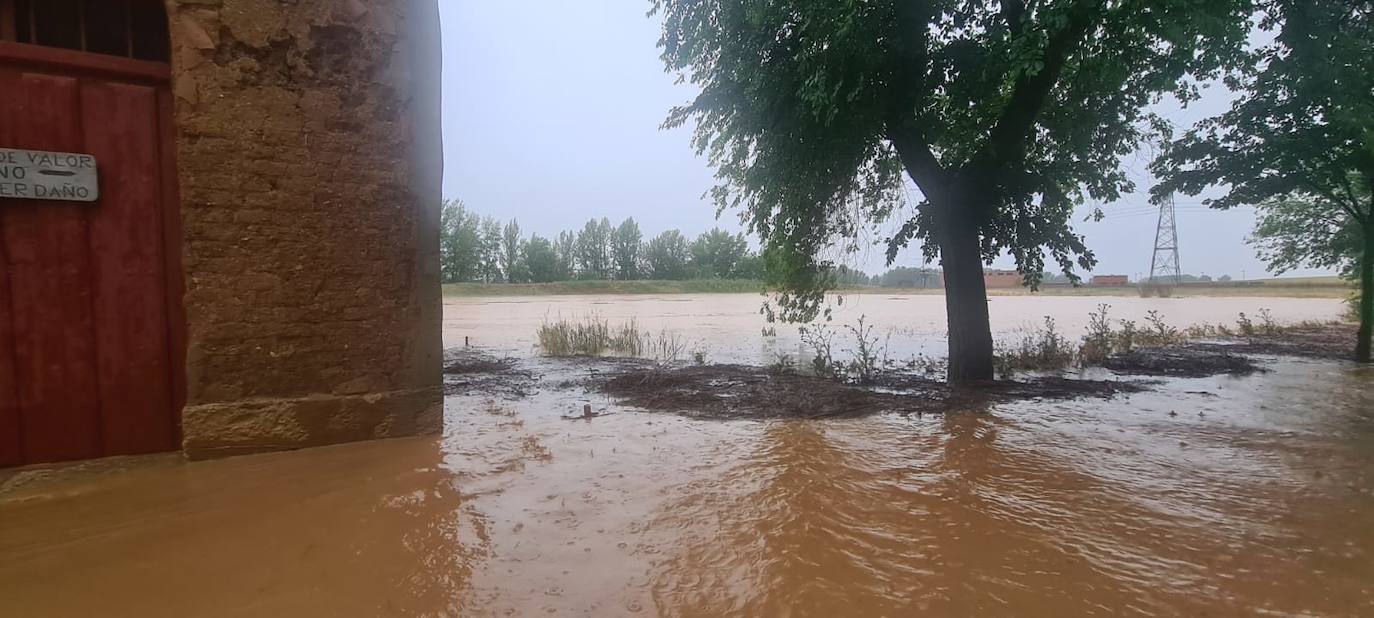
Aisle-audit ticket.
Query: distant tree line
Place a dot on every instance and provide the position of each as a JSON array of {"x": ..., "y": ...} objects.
[
  {"x": 481, "y": 248},
  {"x": 907, "y": 277}
]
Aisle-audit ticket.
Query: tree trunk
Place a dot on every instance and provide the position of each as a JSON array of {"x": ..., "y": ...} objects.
[
  {"x": 1362, "y": 351},
  {"x": 966, "y": 297}
]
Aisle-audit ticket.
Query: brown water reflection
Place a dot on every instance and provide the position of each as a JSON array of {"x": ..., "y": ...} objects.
[
  {"x": 1255, "y": 496},
  {"x": 364, "y": 529}
]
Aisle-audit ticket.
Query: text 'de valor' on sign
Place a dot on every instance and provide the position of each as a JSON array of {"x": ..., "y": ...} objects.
[{"x": 38, "y": 175}]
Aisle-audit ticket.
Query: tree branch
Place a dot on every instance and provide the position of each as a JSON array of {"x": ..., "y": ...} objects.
[
  {"x": 909, "y": 71},
  {"x": 1354, "y": 199},
  {"x": 1369, "y": 185},
  {"x": 1007, "y": 141},
  {"x": 1310, "y": 178},
  {"x": 920, "y": 163},
  {"x": 1012, "y": 11},
  {"x": 1317, "y": 189}
]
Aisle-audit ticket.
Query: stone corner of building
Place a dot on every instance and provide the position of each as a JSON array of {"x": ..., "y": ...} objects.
[{"x": 262, "y": 425}]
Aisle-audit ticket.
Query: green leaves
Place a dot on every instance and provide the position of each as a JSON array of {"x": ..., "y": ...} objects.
[
  {"x": 1298, "y": 231},
  {"x": 666, "y": 256},
  {"x": 815, "y": 112},
  {"x": 625, "y": 250},
  {"x": 1297, "y": 143}
]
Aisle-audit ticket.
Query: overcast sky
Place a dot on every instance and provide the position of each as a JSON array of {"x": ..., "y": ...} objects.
[{"x": 552, "y": 112}]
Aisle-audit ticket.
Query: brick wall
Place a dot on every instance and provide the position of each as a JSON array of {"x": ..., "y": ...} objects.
[
  {"x": 993, "y": 279},
  {"x": 309, "y": 163},
  {"x": 1109, "y": 281}
]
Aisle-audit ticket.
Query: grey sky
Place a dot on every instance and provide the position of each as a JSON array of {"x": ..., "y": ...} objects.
[{"x": 551, "y": 116}]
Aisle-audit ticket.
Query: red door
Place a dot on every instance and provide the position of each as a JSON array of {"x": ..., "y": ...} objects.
[{"x": 89, "y": 292}]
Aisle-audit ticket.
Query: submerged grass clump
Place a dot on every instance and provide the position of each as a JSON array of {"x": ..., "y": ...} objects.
[
  {"x": 594, "y": 336},
  {"x": 1041, "y": 350},
  {"x": 1044, "y": 349},
  {"x": 589, "y": 336}
]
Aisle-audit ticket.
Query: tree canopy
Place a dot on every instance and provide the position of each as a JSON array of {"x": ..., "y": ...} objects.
[
  {"x": 626, "y": 242},
  {"x": 1005, "y": 115},
  {"x": 477, "y": 248},
  {"x": 667, "y": 256},
  {"x": 1298, "y": 142}
]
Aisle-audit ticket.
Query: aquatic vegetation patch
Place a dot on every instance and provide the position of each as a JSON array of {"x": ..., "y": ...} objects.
[{"x": 595, "y": 336}]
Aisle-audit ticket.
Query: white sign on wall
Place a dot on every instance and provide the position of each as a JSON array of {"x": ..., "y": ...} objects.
[{"x": 39, "y": 175}]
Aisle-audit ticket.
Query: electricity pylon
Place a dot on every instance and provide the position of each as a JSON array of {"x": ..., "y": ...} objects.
[{"x": 1164, "y": 268}]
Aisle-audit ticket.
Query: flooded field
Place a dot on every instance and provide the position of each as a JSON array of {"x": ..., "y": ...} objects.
[
  {"x": 1208, "y": 496},
  {"x": 728, "y": 327}
]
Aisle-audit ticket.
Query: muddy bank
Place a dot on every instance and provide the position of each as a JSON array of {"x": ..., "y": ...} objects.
[
  {"x": 1234, "y": 355},
  {"x": 738, "y": 391},
  {"x": 1182, "y": 361},
  {"x": 745, "y": 392},
  {"x": 1324, "y": 341},
  {"x": 471, "y": 371},
  {"x": 730, "y": 391}
]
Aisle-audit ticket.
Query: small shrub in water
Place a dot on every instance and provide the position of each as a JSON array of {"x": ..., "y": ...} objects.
[
  {"x": 1203, "y": 331},
  {"x": 1159, "y": 333},
  {"x": 1041, "y": 350},
  {"x": 864, "y": 361},
  {"x": 1267, "y": 323},
  {"x": 782, "y": 364},
  {"x": 664, "y": 347},
  {"x": 1245, "y": 326},
  {"x": 1098, "y": 342},
  {"x": 699, "y": 355},
  {"x": 1126, "y": 338},
  {"x": 867, "y": 355},
  {"x": 820, "y": 340}
]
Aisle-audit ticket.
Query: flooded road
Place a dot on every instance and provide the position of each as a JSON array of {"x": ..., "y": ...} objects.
[{"x": 1211, "y": 496}]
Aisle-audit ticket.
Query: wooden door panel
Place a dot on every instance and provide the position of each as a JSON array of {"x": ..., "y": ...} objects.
[
  {"x": 11, "y": 449},
  {"x": 47, "y": 250},
  {"x": 129, "y": 282}
]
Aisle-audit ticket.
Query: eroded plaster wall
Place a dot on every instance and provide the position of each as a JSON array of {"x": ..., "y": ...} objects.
[{"x": 309, "y": 164}]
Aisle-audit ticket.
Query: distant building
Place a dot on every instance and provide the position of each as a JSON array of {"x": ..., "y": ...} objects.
[
  {"x": 1002, "y": 279},
  {"x": 1109, "y": 281}
]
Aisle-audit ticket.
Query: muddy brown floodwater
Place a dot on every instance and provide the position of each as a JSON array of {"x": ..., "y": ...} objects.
[
  {"x": 1210, "y": 496},
  {"x": 728, "y": 327}
]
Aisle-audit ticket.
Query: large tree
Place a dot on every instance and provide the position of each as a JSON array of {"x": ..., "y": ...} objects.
[
  {"x": 460, "y": 243},
  {"x": 716, "y": 254},
  {"x": 541, "y": 260},
  {"x": 565, "y": 249},
  {"x": 667, "y": 256},
  {"x": 594, "y": 249},
  {"x": 490, "y": 251},
  {"x": 1004, "y": 114},
  {"x": 625, "y": 250},
  {"x": 512, "y": 254},
  {"x": 1299, "y": 143}
]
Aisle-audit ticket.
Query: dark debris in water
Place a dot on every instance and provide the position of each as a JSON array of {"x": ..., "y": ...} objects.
[
  {"x": 1186, "y": 361},
  {"x": 1324, "y": 341},
  {"x": 1233, "y": 355},
  {"x": 745, "y": 392},
  {"x": 470, "y": 371}
]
